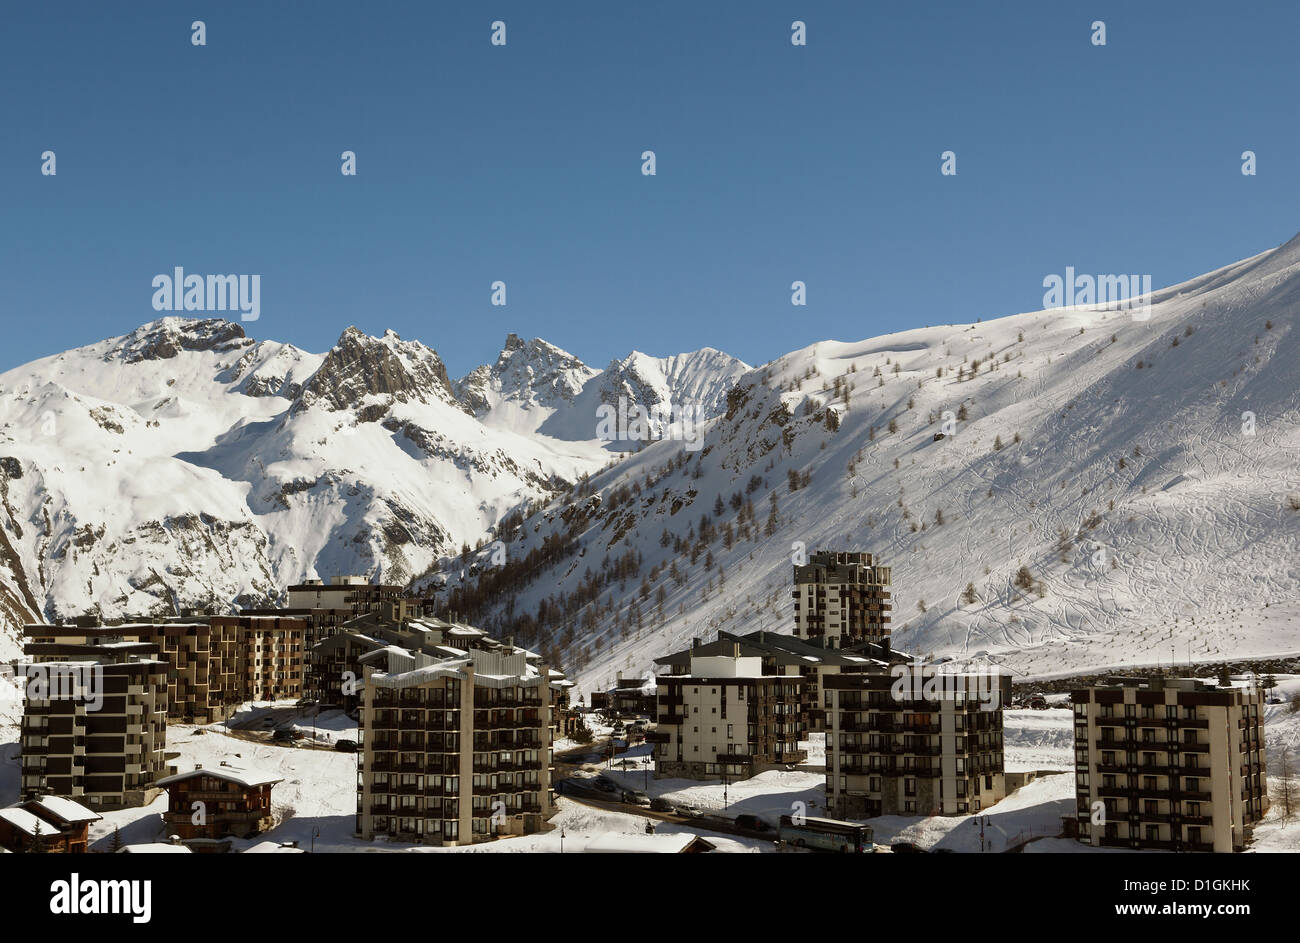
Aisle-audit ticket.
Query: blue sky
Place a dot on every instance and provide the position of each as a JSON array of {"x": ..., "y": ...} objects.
[{"x": 522, "y": 163}]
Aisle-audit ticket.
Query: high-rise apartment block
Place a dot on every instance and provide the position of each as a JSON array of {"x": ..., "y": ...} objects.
[
  {"x": 841, "y": 599},
  {"x": 1169, "y": 763}
]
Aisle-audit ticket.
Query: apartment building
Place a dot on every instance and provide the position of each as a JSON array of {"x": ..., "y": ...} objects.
[
  {"x": 213, "y": 662},
  {"x": 915, "y": 739},
  {"x": 218, "y": 801},
  {"x": 785, "y": 654},
  {"x": 841, "y": 599},
  {"x": 724, "y": 716},
  {"x": 203, "y": 666},
  {"x": 271, "y": 654},
  {"x": 1170, "y": 763},
  {"x": 455, "y": 749},
  {"x": 335, "y": 663},
  {"x": 94, "y": 722},
  {"x": 631, "y": 697},
  {"x": 565, "y": 719},
  {"x": 327, "y": 605}
]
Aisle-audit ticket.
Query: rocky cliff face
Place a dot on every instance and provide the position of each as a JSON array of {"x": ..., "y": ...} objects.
[{"x": 361, "y": 367}]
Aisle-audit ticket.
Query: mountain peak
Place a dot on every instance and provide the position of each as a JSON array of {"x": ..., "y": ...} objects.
[
  {"x": 526, "y": 374},
  {"x": 360, "y": 365},
  {"x": 167, "y": 337}
]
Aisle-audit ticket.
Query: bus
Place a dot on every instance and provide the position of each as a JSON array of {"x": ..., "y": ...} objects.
[{"x": 826, "y": 835}]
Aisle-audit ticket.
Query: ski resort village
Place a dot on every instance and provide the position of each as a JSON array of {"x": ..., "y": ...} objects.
[{"x": 1021, "y": 585}]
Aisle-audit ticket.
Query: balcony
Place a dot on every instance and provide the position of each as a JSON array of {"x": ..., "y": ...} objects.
[
  {"x": 744, "y": 758},
  {"x": 1123, "y": 745}
]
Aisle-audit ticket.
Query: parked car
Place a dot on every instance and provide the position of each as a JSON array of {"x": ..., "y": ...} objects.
[
  {"x": 305, "y": 702},
  {"x": 751, "y": 822},
  {"x": 604, "y": 785},
  {"x": 660, "y": 804},
  {"x": 284, "y": 734},
  {"x": 906, "y": 848},
  {"x": 685, "y": 808},
  {"x": 635, "y": 797},
  {"x": 345, "y": 746}
]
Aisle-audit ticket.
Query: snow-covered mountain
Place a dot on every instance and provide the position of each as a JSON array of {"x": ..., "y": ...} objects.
[
  {"x": 187, "y": 465},
  {"x": 535, "y": 387},
  {"x": 530, "y": 381},
  {"x": 1062, "y": 489}
]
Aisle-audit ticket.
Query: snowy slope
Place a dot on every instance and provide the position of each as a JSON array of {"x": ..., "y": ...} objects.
[{"x": 1110, "y": 457}]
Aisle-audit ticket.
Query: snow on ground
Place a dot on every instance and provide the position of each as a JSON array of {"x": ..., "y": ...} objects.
[
  {"x": 1034, "y": 740},
  {"x": 318, "y": 791},
  {"x": 1032, "y": 812},
  {"x": 328, "y": 728},
  {"x": 1281, "y": 733}
]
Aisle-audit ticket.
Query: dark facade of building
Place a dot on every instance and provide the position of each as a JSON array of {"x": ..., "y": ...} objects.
[
  {"x": 98, "y": 731},
  {"x": 935, "y": 748}
]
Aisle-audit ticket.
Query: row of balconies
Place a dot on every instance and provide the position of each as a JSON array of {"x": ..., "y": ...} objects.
[{"x": 1135, "y": 793}]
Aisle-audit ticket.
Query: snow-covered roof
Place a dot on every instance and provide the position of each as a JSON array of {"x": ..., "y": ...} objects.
[
  {"x": 25, "y": 822},
  {"x": 386, "y": 650},
  {"x": 66, "y": 809},
  {"x": 154, "y": 848},
  {"x": 234, "y": 774}
]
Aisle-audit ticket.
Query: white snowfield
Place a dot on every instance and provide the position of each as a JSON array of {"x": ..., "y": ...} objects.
[{"x": 1143, "y": 473}]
